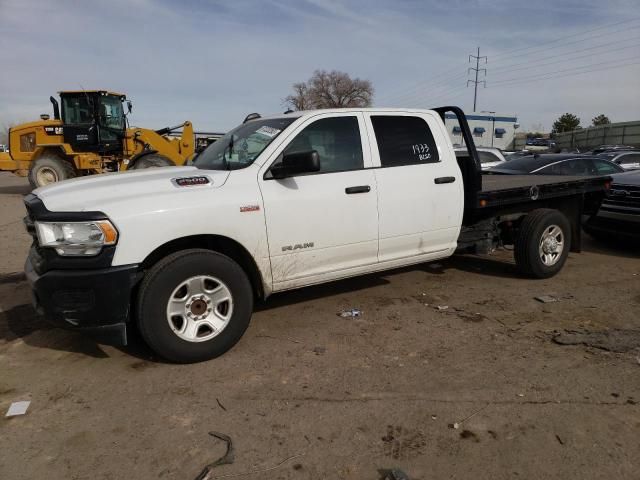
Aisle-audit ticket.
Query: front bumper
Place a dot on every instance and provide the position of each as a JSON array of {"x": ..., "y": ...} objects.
[{"x": 93, "y": 301}]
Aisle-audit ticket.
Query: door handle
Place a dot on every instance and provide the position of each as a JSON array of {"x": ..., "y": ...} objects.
[
  {"x": 358, "y": 189},
  {"x": 440, "y": 180}
]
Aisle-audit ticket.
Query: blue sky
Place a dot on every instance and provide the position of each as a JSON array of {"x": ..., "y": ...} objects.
[{"x": 212, "y": 62}]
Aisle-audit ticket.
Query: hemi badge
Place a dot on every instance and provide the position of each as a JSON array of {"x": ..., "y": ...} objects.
[{"x": 249, "y": 208}]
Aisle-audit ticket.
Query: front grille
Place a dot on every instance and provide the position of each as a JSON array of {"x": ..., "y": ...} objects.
[{"x": 623, "y": 199}]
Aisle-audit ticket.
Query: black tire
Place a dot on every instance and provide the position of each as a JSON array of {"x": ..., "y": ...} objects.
[
  {"x": 528, "y": 243},
  {"x": 158, "y": 287},
  {"x": 50, "y": 169},
  {"x": 152, "y": 160}
]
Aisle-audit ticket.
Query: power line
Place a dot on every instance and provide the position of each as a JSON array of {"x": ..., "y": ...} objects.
[
  {"x": 588, "y": 55},
  {"x": 432, "y": 94},
  {"x": 447, "y": 96},
  {"x": 509, "y": 53},
  {"x": 441, "y": 78},
  {"x": 477, "y": 70},
  {"x": 548, "y": 75},
  {"x": 437, "y": 86},
  {"x": 444, "y": 79},
  {"x": 540, "y": 51},
  {"x": 423, "y": 84},
  {"x": 531, "y": 64}
]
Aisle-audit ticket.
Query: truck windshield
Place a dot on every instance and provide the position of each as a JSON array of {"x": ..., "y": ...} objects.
[{"x": 242, "y": 145}]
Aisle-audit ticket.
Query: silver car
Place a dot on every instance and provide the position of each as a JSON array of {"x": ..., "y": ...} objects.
[
  {"x": 489, "y": 156},
  {"x": 629, "y": 160}
]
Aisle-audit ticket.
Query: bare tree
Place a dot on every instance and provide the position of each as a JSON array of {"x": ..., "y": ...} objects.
[
  {"x": 330, "y": 90},
  {"x": 4, "y": 132},
  {"x": 299, "y": 100}
]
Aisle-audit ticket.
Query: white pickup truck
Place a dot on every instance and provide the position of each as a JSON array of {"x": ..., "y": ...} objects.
[{"x": 278, "y": 203}]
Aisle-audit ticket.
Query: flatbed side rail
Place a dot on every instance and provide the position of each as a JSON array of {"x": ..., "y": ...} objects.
[{"x": 542, "y": 191}]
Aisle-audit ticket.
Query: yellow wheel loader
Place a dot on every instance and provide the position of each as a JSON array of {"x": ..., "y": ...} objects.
[{"x": 90, "y": 135}]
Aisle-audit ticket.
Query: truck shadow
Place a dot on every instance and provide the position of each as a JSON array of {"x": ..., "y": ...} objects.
[
  {"x": 613, "y": 246},
  {"x": 315, "y": 292},
  {"x": 468, "y": 263},
  {"x": 493, "y": 267},
  {"x": 22, "y": 322},
  {"x": 15, "y": 189}
]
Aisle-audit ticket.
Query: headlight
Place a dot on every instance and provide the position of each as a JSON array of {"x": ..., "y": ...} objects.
[{"x": 76, "y": 238}]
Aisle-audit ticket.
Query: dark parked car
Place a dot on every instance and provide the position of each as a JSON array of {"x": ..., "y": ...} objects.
[
  {"x": 627, "y": 159},
  {"x": 557, "y": 164},
  {"x": 619, "y": 214}
]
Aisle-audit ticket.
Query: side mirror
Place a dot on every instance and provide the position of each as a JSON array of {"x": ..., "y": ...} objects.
[
  {"x": 296, "y": 163},
  {"x": 129, "y": 106}
]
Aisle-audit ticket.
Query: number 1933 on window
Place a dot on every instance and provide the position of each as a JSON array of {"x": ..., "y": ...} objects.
[{"x": 422, "y": 151}]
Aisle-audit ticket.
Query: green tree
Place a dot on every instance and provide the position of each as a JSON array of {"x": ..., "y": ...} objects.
[
  {"x": 566, "y": 123},
  {"x": 601, "y": 119},
  {"x": 330, "y": 90}
]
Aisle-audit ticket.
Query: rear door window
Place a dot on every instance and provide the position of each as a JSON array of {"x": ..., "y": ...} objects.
[{"x": 404, "y": 140}]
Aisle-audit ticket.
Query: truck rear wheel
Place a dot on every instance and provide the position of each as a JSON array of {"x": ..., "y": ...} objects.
[
  {"x": 152, "y": 160},
  {"x": 50, "y": 169},
  {"x": 542, "y": 243},
  {"x": 194, "y": 305}
]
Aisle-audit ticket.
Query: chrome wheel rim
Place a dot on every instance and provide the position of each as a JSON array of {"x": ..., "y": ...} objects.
[
  {"x": 46, "y": 175},
  {"x": 551, "y": 245},
  {"x": 199, "y": 308}
]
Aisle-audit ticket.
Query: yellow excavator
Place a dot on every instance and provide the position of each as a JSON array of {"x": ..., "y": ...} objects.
[{"x": 89, "y": 135}]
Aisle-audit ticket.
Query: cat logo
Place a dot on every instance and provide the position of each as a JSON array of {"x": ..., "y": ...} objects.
[
  {"x": 297, "y": 246},
  {"x": 53, "y": 130}
]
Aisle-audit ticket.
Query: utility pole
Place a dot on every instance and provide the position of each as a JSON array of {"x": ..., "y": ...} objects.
[{"x": 476, "y": 81}]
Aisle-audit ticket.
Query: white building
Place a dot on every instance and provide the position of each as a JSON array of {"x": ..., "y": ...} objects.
[{"x": 488, "y": 129}]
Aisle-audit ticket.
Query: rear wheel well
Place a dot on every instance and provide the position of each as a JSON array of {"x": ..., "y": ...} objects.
[{"x": 216, "y": 243}]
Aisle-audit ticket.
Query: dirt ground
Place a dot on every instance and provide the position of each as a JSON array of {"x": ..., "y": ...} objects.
[{"x": 307, "y": 394}]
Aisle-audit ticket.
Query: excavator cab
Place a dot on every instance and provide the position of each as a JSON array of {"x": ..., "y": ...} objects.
[{"x": 93, "y": 121}]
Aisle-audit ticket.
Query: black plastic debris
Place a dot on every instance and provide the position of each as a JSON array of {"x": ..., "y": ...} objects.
[
  {"x": 392, "y": 474},
  {"x": 226, "y": 459}
]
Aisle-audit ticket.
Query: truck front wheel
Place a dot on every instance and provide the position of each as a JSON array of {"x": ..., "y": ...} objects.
[
  {"x": 153, "y": 160},
  {"x": 50, "y": 169},
  {"x": 194, "y": 305},
  {"x": 542, "y": 243}
]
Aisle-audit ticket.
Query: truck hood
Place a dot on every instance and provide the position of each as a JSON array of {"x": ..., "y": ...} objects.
[
  {"x": 100, "y": 192},
  {"x": 627, "y": 178}
]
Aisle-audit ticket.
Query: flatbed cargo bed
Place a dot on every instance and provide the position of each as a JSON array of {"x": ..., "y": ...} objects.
[{"x": 498, "y": 190}]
